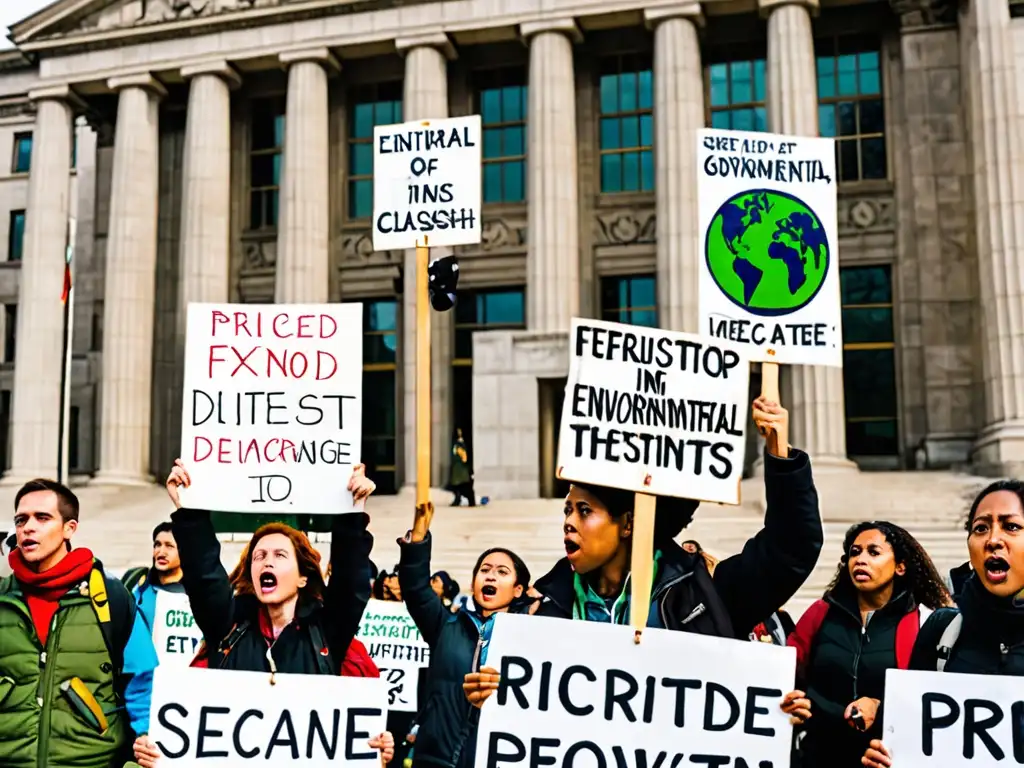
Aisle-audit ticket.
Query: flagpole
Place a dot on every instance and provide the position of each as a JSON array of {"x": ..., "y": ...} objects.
[{"x": 68, "y": 292}]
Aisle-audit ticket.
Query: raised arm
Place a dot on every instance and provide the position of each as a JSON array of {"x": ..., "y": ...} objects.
[{"x": 425, "y": 607}]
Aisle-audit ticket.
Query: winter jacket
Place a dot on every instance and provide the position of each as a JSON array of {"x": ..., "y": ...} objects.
[
  {"x": 447, "y": 721},
  {"x": 745, "y": 587},
  {"x": 840, "y": 660},
  {"x": 115, "y": 661},
  {"x": 231, "y": 623},
  {"x": 146, "y": 593},
  {"x": 991, "y": 640}
]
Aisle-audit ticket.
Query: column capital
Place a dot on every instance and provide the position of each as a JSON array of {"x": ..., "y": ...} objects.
[
  {"x": 439, "y": 41},
  {"x": 654, "y": 16},
  {"x": 219, "y": 67},
  {"x": 138, "y": 80},
  {"x": 58, "y": 92},
  {"x": 566, "y": 25},
  {"x": 765, "y": 7},
  {"x": 322, "y": 56}
]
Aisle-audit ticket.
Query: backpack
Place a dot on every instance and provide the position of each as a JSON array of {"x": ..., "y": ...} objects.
[
  {"x": 950, "y": 635},
  {"x": 320, "y": 649},
  {"x": 134, "y": 577}
]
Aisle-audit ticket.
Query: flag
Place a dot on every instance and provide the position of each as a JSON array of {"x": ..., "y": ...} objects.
[{"x": 66, "y": 291}]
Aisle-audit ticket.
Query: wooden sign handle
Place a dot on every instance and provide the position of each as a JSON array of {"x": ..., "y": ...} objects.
[
  {"x": 422, "y": 382},
  {"x": 777, "y": 440},
  {"x": 641, "y": 562}
]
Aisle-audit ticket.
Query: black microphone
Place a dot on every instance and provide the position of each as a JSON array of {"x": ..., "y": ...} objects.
[{"x": 443, "y": 278}]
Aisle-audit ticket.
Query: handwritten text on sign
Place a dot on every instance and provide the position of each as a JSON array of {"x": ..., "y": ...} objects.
[
  {"x": 426, "y": 183},
  {"x": 176, "y": 636},
  {"x": 640, "y": 401},
  {"x": 770, "y": 272},
  {"x": 956, "y": 721},
  {"x": 396, "y": 647},
  {"x": 584, "y": 694},
  {"x": 272, "y": 410},
  {"x": 224, "y": 719}
]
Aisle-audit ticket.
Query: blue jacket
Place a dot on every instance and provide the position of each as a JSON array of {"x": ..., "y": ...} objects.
[
  {"x": 139, "y": 662},
  {"x": 145, "y": 595}
]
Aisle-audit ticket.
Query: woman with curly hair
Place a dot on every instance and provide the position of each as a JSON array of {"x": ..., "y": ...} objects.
[{"x": 867, "y": 623}]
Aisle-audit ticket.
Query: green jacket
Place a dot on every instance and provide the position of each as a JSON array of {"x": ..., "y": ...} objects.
[{"x": 38, "y": 726}]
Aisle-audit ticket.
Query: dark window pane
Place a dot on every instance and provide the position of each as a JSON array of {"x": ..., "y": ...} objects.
[
  {"x": 610, "y": 133},
  {"x": 848, "y": 160},
  {"x": 611, "y": 173},
  {"x": 645, "y": 317},
  {"x": 514, "y": 183},
  {"x": 759, "y": 79},
  {"x": 743, "y": 119},
  {"x": 630, "y": 131},
  {"x": 721, "y": 119},
  {"x": 362, "y": 121},
  {"x": 504, "y": 308},
  {"x": 515, "y": 141},
  {"x": 22, "y": 153},
  {"x": 869, "y": 376},
  {"x": 490, "y": 106},
  {"x": 279, "y": 123},
  {"x": 642, "y": 292},
  {"x": 872, "y": 119},
  {"x": 512, "y": 103},
  {"x": 866, "y": 285},
  {"x": 463, "y": 344},
  {"x": 263, "y": 133},
  {"x": 631, "y": 172},
  {"x": 847, "y": 118},
  {"x": 846, "y": 67},
  {"x": 867, "y": 325},
  {"x": 647, "y": 170},
  {"x": 16, "y": 236},
  {"x": 827, "y": 120},
  {"x": 719, "y": 77},
  {"x": 360, "y": 203},
  {"x": 609, "y": 94},
  {"x": 872, "y": 438},
  {"x": 256, "y": 210},
  {"x": 492, "y": 183},
  {"x": 873, "y": 161},
  {"x": 379, "y": 348},
  {"x": 380, "y": 315},
  {"x": 870, "y": 82},
  {"x": 383, "y": 113},
  {"x": 646, "y": 89},
  {"x": 492, "y": 142},
  {"x": 263, "y": 171},
  {"x": 760, "y": 119},
  {"x": 360, "y": 159},
  {"x": 628, "y": 101},
  {"x": 646, "y": 130},
  {"x": 379, "y": 403},
  {"x": 270, "y": 205},
  {"x": 868, "y": 60},
  {"x": 742, "y": 83}
]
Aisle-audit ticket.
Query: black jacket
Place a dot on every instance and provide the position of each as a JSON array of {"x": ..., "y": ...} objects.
[
  {"x": 991, "y": 640},
  {"x": 447, "y": 721},
  {"x": 745, "y": 587},
  {"x": 221, "y": 615}
]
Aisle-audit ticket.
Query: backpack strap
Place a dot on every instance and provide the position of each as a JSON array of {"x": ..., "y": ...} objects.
[
  {"x": 948, "y": 641},
  {"x": 906, "y": 635},
  {"x": 320, "y": 650},
  {"x": 134, "y": 577},
  {"x": 231, "y": 640},
  {"x": 115, "y": 611},
  {"x": 802, "y": 637}
]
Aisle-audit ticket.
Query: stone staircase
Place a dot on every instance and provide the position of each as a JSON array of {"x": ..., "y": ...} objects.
[{"x": 116, "y": 523}]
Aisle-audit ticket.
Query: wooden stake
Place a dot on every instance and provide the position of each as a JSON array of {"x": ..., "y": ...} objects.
[
  {"x": 778, "y": 441},
  {"x": 641, "y": 562},
  {"x": 422, "y": 376}
]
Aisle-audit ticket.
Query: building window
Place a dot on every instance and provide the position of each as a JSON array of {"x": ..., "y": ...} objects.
[
  {"x": 869, "y": 361},
  {"x": 627, "y": 124},
  {"x": 850, "y": 106},
  {"x": 491, "y": 310},
  {"x": 10, "y": 331},
  {"x": 380, "y": 355},
  {"x": 74, "y": 150},
  {"x": 265, "y": 156},
  {"x": 736, "y": 97},
  {"x": 501, "y": 101},
  {"x": 630, "y": 300},
  {"x": 376, "y": 104},
  {"x": 22, "y": 160},
  {"x": 74, "y": 416},
  {"x": 16, "y": 236}
]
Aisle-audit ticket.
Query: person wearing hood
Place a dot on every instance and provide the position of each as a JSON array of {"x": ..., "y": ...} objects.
[
  {"x": 866, "y": 624},
  {"x": 163, "y": 576},
  {"x": 984, "y": 634}
]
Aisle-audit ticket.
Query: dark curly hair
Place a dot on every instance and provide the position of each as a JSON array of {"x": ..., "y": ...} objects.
[
  {"x": 1016, "y": 487},
  {"x": 920, "y": 578}
]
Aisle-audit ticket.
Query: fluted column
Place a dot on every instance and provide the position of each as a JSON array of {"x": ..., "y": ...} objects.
[
  {"x": 553, "y": 249},
  {"x": 989, "y": 61},
  {"x": 37, "y": 364},
  {"x": 425, "y": 97},
  {"x": 812, "y": 393},
  {"x": 678, "y": 114},
  {"x": 129, "y": 276},
  {"x": 303, "y": 234}
]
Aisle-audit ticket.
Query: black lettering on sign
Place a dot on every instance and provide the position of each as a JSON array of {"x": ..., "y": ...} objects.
[
  {"x": 932, "y": 721},
  {"x": 354, "y": 738},
  {"x": 161, "y": 717},
  {"x": 776, "y": 334},
  {"x": 683, "y": 355}
]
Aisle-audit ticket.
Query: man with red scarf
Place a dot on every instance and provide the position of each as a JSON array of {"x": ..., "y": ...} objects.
[{"x": 76, "y": 658}]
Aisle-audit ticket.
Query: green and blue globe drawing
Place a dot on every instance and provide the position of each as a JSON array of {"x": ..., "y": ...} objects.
[{"x": 767, "y": 252}]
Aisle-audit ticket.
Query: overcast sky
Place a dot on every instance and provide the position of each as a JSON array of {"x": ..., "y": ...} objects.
[{"x": 12, "y": 11}]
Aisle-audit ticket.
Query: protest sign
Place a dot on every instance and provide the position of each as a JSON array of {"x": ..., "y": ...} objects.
[
  {"x": 272, "y": 406},
  {"x": 394, "y": 643},
  {"x": 767, "y": 214},
  {"x": 426, "y": 183},
  {"x": 577, "y": 693},
  {"x": 956, "y": 721},
  {"x": 224, "y": 719},
  {"x": 176, "y": 636},
  {"x": 655, "y": 412}
]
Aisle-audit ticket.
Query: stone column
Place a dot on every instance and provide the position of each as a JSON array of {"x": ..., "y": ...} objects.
[
  {"x": 553, "y": 248},
  {"x": 813, "y": 394},
  {"x": 997, "y": 130},
  {"x": 425, "y": 97},
  {"x": 130, "y": 284},
  {"x": 40, "y": 327},
  {"x": 678, "y": 114},
  {"x": 304, "y": 231}
]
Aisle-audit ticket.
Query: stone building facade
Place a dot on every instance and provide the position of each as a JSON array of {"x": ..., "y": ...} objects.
[{"x": 220, "y": 150}]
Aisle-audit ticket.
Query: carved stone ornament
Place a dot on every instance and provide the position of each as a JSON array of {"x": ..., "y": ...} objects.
[
  {"x": 258, "y": 255},
  {"x": 500, "y": 235},
  {"x": 925, "y": 13},
  {"x": 626, "y": 227},
  {"x": 128, "y": 13},
  {"x": 859, "y": 215}
]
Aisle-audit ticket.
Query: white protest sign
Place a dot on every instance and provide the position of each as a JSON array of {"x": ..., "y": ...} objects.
[
  {"x": 426, "y": 183},
  {"x": 579, "y": 693},
  {"x": 654, "y": 411},
  {"x": 770, "y": 277},
  {"x": 952, "y": 720},
  {"x": 176, "y": 636},
  {"x": 224, "y": 719},
  {"x": 396, "y": 647},
  {"x": 272, "y": 407}
]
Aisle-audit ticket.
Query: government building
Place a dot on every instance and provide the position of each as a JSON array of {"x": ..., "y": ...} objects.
[{"x": 221, "y": 150}]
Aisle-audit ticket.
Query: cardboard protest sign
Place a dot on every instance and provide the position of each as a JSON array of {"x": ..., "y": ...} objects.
[
  {"x": 176, "y": 636},
  {"x": 272, "y": 406},
  {"x": 224, "y": 719},
  {"x": 426, "y": 183},
  {"x": 396, "y": 647},
  {"x": 956, "y": 721},
  {"x": 582, "y": 693},
  {"x": 654, "y": 411},
  {"x": 770, "y": 278}
]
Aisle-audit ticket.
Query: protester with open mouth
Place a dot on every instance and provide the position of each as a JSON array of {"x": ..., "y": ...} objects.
[
  {"x": 458, "y": 641},
  {"x": 164, "y": 575},
  {"x": 984, "y": 634},
  {"x": 867, "y": 623}
]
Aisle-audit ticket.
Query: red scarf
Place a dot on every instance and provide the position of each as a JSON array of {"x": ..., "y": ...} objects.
[{"x": 44, "y": 590}]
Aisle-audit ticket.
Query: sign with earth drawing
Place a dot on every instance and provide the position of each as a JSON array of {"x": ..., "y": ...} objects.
[{"x": 770, "y": 276}]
